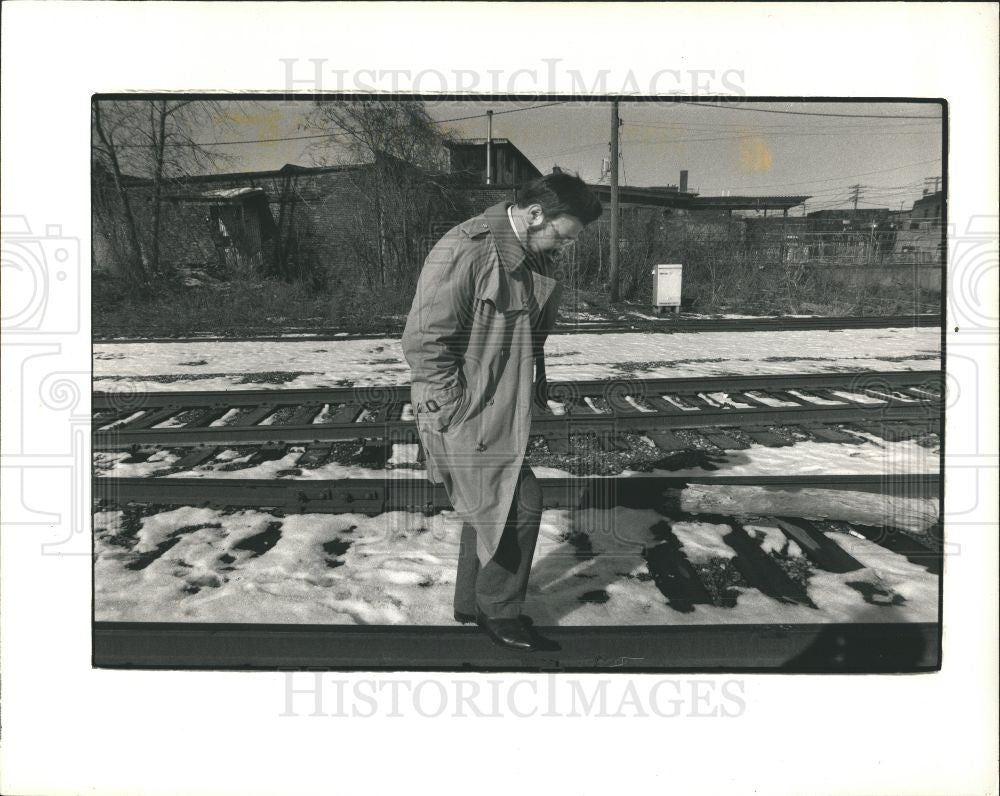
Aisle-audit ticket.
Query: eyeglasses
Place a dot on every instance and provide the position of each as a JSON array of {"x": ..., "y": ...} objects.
[{"x": 564, "y": 240}]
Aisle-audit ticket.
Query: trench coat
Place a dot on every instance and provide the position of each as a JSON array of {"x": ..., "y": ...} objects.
[{"x": 474, "y": 341}]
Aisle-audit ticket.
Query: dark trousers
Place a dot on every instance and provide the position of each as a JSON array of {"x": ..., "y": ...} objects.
[{"x": 498, "y": 589}]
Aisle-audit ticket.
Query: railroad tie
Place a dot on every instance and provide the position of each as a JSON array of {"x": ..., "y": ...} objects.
[
  {"x": 661, "y": 404},
  {"x": 557, "y": 443},
  {"x": 208, "y": 416},
  {"x": 667, "y": 441},
  {"x": 765, "y": 436},
  {"x": 828, "y": 434},
  {"x": 196, "y": 456},
  {"x": 676, "y": 577},
  {"x": 742, "y": 397},
  {"x": 723, "y": 440},
  {"x": 373, "y": 454},
  {"x": 314, "y": 454},
  {"x": 761, "y": 571},
  {"x": 346, "y": 414},
  {"x": 304, "y": 415},
  {"x": 152, "y": 418},
  {"x": 267, "y": 453},
  {"x": 254, "y": 417},
  {"x": 817, "y": 546},
  {"x": 902, "y": 544}
]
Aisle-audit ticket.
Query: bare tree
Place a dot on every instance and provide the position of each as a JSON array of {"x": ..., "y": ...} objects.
[
  {"x": 405, "y": 154},
  {"x": 152, "y": 139}
]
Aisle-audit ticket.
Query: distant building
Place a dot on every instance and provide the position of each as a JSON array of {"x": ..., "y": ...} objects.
[
  {"x": 467, "y": 162},
  {"x": 928, "y": 209},
  {"x": 847, "y": 219},
  {"x": 761, "y": 204}
]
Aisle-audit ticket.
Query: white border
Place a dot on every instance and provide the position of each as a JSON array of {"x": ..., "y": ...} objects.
[{"x": 69, "y": 729}]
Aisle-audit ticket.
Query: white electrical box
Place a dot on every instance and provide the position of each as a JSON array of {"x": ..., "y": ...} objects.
[{"x": 667, "y": 286}]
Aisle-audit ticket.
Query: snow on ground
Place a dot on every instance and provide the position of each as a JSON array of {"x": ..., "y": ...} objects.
[
  {"x": 803, "y": 458},
  {"x": 303, "y": 364},
  {"x": 203, "y": 565},
  {"x": 198, "y": 564}
]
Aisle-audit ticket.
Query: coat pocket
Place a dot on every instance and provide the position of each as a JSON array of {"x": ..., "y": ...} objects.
[{"x": 442, "y": 417}]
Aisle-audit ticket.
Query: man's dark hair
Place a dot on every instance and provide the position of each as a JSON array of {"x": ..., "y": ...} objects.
[{"x": 561, "y": 194}]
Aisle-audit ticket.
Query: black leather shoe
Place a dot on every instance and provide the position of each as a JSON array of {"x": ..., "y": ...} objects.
[
  {"x": 510, "y": 633},
  {"x": 465, "y": 619}
]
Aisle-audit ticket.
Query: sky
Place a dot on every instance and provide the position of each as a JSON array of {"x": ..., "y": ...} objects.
[{"x": 819, "y": 149}]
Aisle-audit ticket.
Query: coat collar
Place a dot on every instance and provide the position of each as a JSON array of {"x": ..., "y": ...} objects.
[{"x": 511, "y": 252}]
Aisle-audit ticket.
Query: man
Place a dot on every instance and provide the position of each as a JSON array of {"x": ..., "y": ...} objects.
[{"x": 485, "y": 302}]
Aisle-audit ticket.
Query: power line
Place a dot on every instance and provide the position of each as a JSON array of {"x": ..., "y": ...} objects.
[
  {"x": 337, "y": 135},
  {"x": 248, "y": 141},
  {"x": 841, "y": 177},
  {"x": 750, "y": 136},
  {"x": 498, "y": 113},
  {"x": 778, "y": 128},
  {"x": 808, "y": 113}
]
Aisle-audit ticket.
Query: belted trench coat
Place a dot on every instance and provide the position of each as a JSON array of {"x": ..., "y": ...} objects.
[{"x": 474, "y": 341}]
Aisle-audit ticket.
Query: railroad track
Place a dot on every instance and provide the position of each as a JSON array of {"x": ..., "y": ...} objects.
[
  {"x": 667, "y": 324},
  {"x": 727, "y": 413},
  {"x": 377, "y": 496},
  {"x": 889, "y": 646}
]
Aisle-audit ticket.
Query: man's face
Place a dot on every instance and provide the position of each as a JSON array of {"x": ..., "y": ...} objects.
[{"x": 550, "y": 234}]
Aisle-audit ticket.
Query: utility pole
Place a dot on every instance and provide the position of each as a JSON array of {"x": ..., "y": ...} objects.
[
  {"x": 489, "y": 147},
  {"x": 613, "y": 258},
  {"x": 928, "y": 181},
  {"x": 855, "y": 195}
]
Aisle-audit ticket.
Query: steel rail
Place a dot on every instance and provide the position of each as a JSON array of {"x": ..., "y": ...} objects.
[
  {"x": 568, "y": 326},
  {"x": 814, "y": 648},
  {"x": 380, "y": 495},
  {"x": 640, "y": 388},
  {"x": 552, "y": 425}
]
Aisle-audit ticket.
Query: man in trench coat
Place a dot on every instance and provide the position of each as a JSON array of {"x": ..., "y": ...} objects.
[{"x": 486, "y": 300}]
